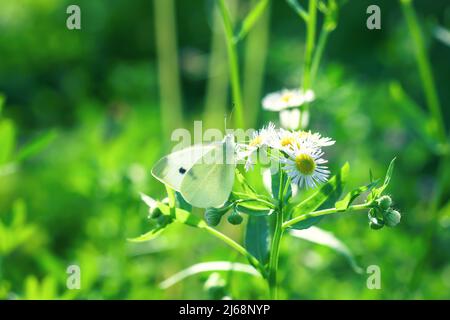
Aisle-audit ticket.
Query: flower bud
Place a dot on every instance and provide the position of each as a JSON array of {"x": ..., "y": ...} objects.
[
  {"x": 392, "y": 217},
  {"x": 375, "y": 222},
  {"x": 384, "y": 202},
  {"x": 213, "y": 216},
  {"x": 375, "y": 225},
  {"x": 235, "y": 218}
]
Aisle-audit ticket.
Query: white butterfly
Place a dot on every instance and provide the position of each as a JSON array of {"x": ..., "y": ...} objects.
[{"x": 203, "y": 174}]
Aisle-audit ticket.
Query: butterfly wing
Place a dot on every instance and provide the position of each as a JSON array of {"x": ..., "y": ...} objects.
[
  {"x": 172, "y": 169},
  {"x": 209, "y": 182}
]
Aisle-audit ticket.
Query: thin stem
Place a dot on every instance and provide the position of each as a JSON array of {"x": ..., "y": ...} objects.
[
  {"x": 324, "y": 33},
  {"x": 233, "y": 63},
  {"x": 423, "y": 64},
  {"x": 324, "y": 212},
  {"x": 276, "y": 240},
  {"x": 253, "y": 261},
  {"x": 274, "y": 256},
  {"x": 309, "y": 48}
]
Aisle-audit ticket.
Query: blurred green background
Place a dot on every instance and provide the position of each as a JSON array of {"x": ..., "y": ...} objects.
[{"x": 86, "y": 113}]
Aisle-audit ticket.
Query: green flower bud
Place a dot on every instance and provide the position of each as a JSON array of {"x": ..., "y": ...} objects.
[
  {"x": 235, "y": 218},
  {"x": 392, "y": 217},
  {"x": 213, "y": 216},
  {"x": 385, "y": 202},
  {"x": 375, "y": 225},
  {"x": 375, "y": 222}
]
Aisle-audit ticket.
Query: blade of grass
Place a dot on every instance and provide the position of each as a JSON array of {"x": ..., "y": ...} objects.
[
  {"x": 255, "y": 62},
  {"x": 424, "y": 67},
  {"x": 233, "y": 63},
  {"x": 169, "y": 78}
]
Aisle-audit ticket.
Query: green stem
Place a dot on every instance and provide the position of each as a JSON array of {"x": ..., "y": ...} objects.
[
  {"x": 423, "y": 64},
  {"x": 253, "y": 261},
  {"x": 274, "y": 255},
  {"x": 309, "y": 48},
  {"x": 233, "y": 63},
  {"x": 323, "y": 38},
  {"x": 324, "y": 212},
  {"x": 276, "y": 240}
]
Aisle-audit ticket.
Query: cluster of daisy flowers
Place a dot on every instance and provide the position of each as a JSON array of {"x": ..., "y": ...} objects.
[
  {"x": 287, "y": 103},
  {"x": 299, "y": 153}
]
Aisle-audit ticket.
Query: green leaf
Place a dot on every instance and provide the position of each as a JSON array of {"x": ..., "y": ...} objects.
[
  {"x": 7, "y": 140},
  {"x": 212, "y": 266},
  {"x": 414, "y": 117},
  {"x": 387, "y": 179},
  {"x": 179, "y": 215},
  {"x": 36, "y": 146},
  {"x": 150, "y": 235},
  {"x": 325, "y": 238},
  {"x": 182, "y": 216},
  {"x": 327, "y": 194},
  {"x": 251, "y": 19},
  {"x": 257, "y": 238},
  {"x": 352, "y": 195},
  {"x": 181, "y": 203},
  {"x": 254, "y": 208}
]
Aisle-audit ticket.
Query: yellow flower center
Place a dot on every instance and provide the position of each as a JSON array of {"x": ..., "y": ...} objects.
[
  {"x": 305, "y": 164},
  {"x": 256, "y": 141},
  {"x": 286, "y": 97},
  {"x": 287, "y": 141}
]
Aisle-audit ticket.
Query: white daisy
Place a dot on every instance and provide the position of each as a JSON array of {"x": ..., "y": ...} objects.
[
  {"x": 284, "y": 140},
  {"x": 314, "y": 140},
  {"x": 285, "y": 99},
  {"x": 259, "y": 139},
  {"x": 305, "y": 167}
]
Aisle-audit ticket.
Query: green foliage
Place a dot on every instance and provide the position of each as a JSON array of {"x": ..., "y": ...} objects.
[
  {"x": 251, "y": 18},
  {"x": 254, "y": 208},
  {"x": 328, "y": 239},
  {"x": 375, "y": 193},
  {"x": 257, "y": 238},
  {"x": 92, "y": 114},
  {"x": 330, "y": 191},
  {"x": 348, "y": 199}
]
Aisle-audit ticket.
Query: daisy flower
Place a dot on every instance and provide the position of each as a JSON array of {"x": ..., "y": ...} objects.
[
  {"x": 314, "y": 140},
  {"x": 259, "y": 139},
  {"x": 305, "y": 167},
  {"x": 285, "y": 99},
  {"x": 294, "y": 118},
  {"x": 285, "y": 140}
]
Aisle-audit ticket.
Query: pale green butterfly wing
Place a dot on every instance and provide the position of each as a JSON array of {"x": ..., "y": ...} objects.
[
  {"x": 172, "y": 169},
  {"x": 210, "y": 181}
]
